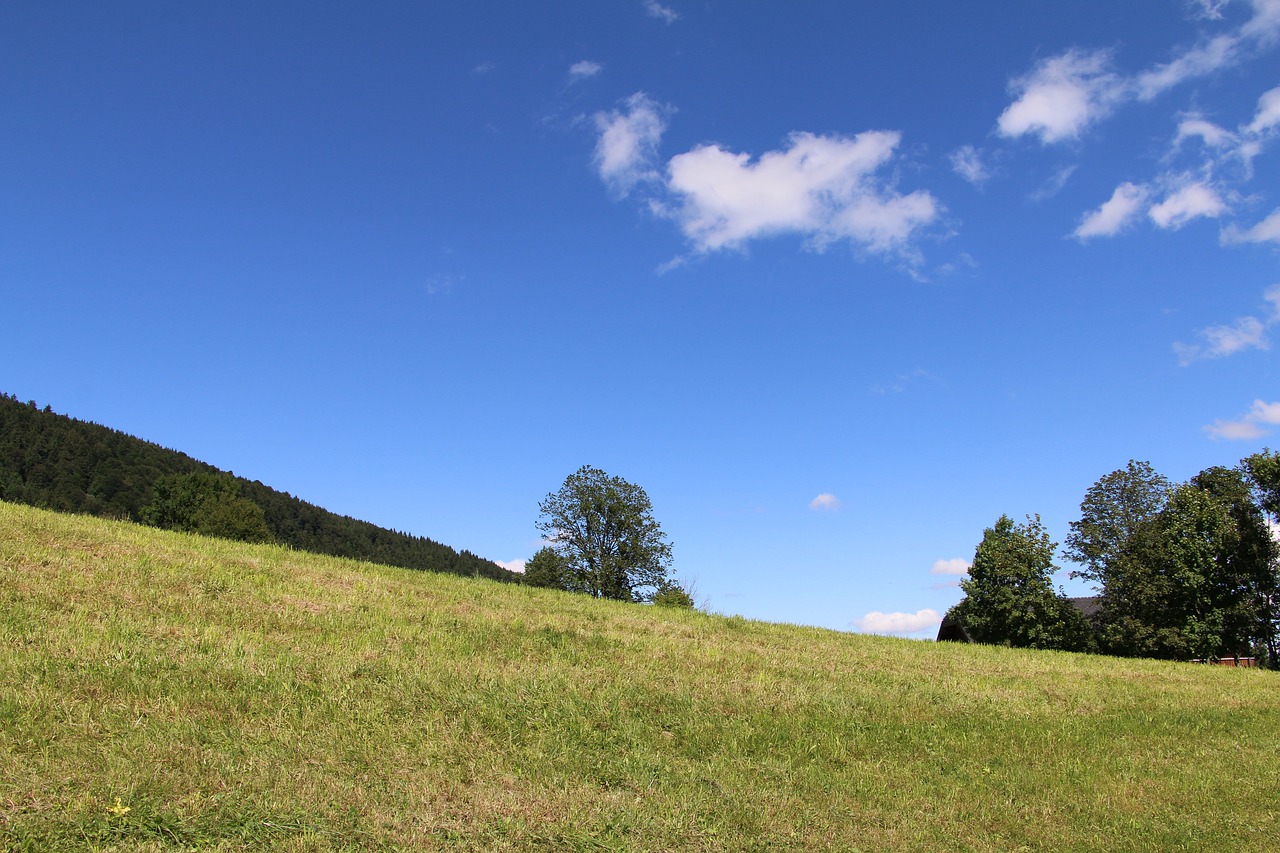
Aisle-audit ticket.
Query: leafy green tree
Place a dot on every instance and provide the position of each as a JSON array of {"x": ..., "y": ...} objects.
[
  {"x": 1112, "y": 511},
  {"x": 1195, "y": 581},
  {"x": 1264, "y": 475},
  {"x": 208, "y": 504},
  {"x": 673, "y": 595},
  {"x": 1263, "y": 472},
  {"x": 603, "y": 529},
  {"x": 1246, "y": 578},
  {"x": 1009, "y": 595},
  {"x": 546, "y": 569}
]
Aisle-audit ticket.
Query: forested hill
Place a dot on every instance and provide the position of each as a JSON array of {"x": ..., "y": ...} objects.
[{"x": 56, "y": 462}]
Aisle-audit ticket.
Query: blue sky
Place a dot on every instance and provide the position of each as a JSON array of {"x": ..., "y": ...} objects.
[{"x": 838, "y": 284}]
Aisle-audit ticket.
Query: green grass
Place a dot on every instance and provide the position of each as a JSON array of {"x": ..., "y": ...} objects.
[{"x": 236, "y": 697}]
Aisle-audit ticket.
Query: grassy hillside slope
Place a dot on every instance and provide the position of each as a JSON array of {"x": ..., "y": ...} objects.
[{"x": 162, "y": 691}]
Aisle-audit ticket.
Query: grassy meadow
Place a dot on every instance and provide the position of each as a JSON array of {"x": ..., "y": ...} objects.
[{"x": 160, "y": 691}]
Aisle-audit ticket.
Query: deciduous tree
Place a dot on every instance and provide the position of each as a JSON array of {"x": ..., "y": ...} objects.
[
  {"x": 1197, "y": 579},
  {"x": 1112, "y": 511},
  {"x": 1009, "y": 595},
  {"x": 603, "y": 529}
]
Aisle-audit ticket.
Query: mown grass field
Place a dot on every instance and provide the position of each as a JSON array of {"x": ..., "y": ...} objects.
[{"x": 161, "y": 691}]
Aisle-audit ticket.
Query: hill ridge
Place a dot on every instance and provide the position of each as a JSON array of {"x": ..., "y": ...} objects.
[{"x": 54, "y": 461}]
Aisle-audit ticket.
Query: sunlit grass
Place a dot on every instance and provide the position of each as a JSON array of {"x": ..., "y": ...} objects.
[{"x": 162, "y": 691}]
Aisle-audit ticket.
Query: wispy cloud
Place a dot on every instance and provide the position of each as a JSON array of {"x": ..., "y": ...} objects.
[
  {"x": 1201, "y": 191},
  {"x": 1268, "y": 115},
  {"x": 1193, "y": 200},
  {"x": 1196, "y": 127},
  {"x": 902, "y": 381},
  {"x": 1227, "y": 339},
  {"x": 825, "y": 501},
  {"x": 1255, "y": 424},
  {"x": 1209, "y": 10},
  {"x": 876, "y": 622},
  {"x": 1055, "y": 183},
  {"x": 1244, "y": 333},
  {"x": 1213, "y": 54},
  {"x": 966, "y": 161},
  {"x": 1064, "y": 95},
  {"x": 584, "y": 69},
  {"x": 443, "y": 284},
  {"x": 666, "y": 14},
  {"x": 1266, "y": 231},
  {"x": 627, "y": 146},
  {"x": 1115, "y": 214},
  {"x": 512, "y": 565},
  {"x": 954, "y": 566}
]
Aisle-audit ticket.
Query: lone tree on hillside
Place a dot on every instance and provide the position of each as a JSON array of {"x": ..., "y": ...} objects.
[{"x": 608, "y": 542}]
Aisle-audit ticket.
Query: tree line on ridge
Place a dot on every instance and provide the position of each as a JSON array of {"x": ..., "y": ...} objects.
[{"x": 56, "y": 462}]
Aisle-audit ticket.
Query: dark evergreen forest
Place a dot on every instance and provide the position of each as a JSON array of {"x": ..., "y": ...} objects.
[{"x": 56, "y": 462}]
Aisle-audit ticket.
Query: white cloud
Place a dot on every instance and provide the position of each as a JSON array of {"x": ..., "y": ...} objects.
[
  {"x": 1264, "y": 26},
  {"x": 966, "y": 161},
  {"x": 825, "y": 189},
  {"x": 1063, "y": 96},
  {"x": 825, "y": 501},
  {"x": 822, "y": 187},
  {"x": 628, "y": 142},
  {"x": 1191, "y": 201},
  {"x": 1199, "y": 61},
  {"x": 1266, "y": 231},
  {"x": 1268, "y": 115},
  {"x": 1210, "y": 10},
  {"x": 1206, "y": 131},
  {"x": 1114, "y": 214},
  {"x": 666, "y": 14},
  {"x": 1244, "y": 333},
  {"x": 1253, "y": 425},
  {"x": 1242, "y": 430},
  {"x": 1265, "y": 413},
  {"x": 876, "y": 622},
  {"x": 584, "y": 69},
  {"x": 512, "y": 565},
  {"x": 955, "y": 566},
  {"x": 1214, "y": 54}
]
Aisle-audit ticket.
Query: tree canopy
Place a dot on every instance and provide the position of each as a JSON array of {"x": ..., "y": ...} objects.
[
  {"x": 1112, "y": 510},
  {"x": 603, "y": 530},
  {"x": 1185, "y": 571},
  {"x": 206, "y": 503},
  {"x": 1009, "y": 595}
]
